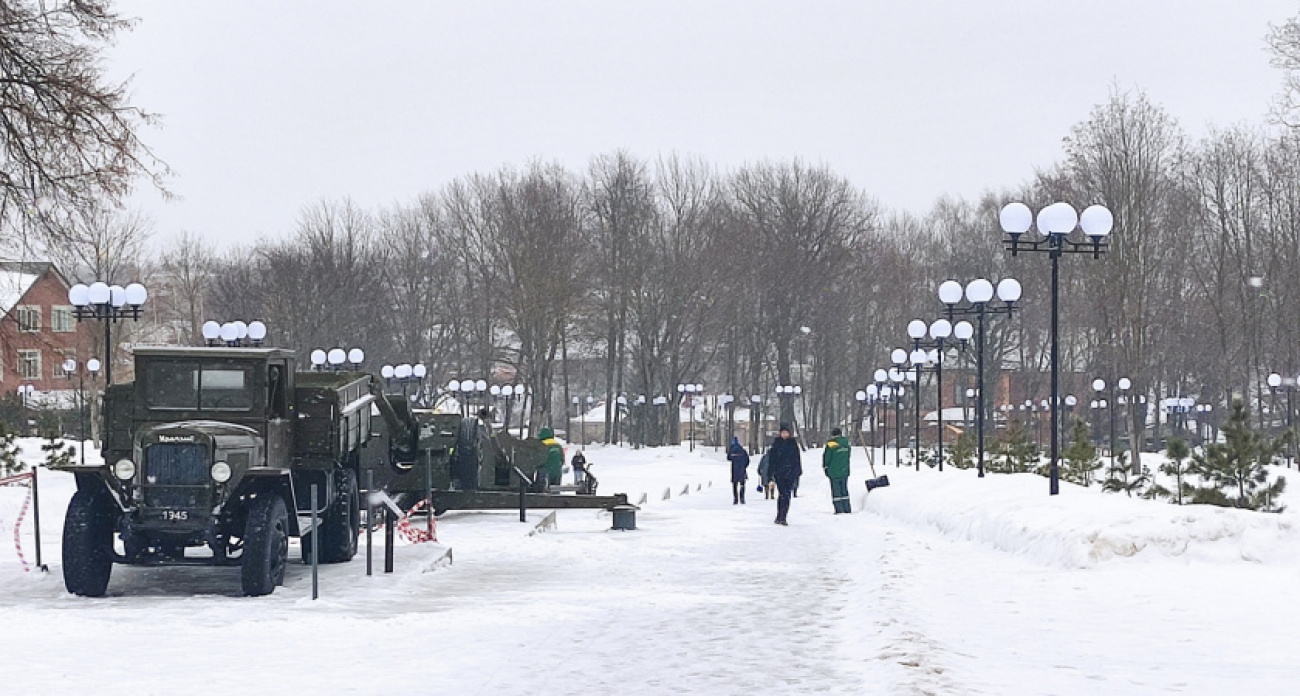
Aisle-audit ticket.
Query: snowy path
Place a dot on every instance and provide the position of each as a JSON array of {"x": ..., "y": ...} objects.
[{"x": 705, "y": 597}]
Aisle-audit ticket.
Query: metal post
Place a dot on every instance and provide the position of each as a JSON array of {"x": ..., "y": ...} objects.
[
  {"x": 916, "y": 427},
  {"x": 1054, "y": 471},
  {"x": 428, "y": 487},
  {"x": 523, "y": 499},
  {"x": 81, "y": 411},
  {"x": 390, "y": 522},
  {"x": 315, "y": 543},
  {"x": 898, "y": 430},
  {"x": 690, "y": 410},
  {"x": 979, "y": 391},
  {"x": 36, "y": 516},
  {"x": 108, "y": 352},
  {"x": 938, "y": 377},
  {"x": 370, "y": 521},
  {"x": 1113, "y": 407}
]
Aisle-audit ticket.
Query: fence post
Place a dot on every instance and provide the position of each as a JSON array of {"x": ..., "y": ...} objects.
[{"x": 315, "y": 543}]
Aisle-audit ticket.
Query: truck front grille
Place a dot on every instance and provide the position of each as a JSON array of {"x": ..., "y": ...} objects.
[{"x": 176, "y": 475}]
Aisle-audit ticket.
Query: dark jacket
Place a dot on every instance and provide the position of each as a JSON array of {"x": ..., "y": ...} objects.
[
  {"x": 739, "y": 462},
  {"x": 579, "y": 462},
  {"x": 763, "y": 474},
  {"x": 785, "y": 463}
]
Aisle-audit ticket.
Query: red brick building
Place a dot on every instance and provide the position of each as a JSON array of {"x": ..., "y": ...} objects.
[{"x": 38, "y": 331}]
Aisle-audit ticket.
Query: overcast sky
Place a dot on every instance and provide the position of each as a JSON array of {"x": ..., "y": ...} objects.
[{"x": 268, "y": 107}]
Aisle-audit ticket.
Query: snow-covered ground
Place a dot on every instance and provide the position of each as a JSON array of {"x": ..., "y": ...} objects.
[{"x": 942, "y": 583}]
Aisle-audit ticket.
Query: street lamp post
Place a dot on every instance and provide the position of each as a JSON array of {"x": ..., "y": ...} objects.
[
  {"x": 689, "y": 391},
  {"x": 786, "y": 394},
  {"x": 661, "y": 426},
  {"x": 107, "y": 303},
  {"x": 979, "y": 296},
  {"x": 1054, "y": 225},
  {"x": 1204, "y": 430},
  {"x": 756, "y": 418},
  {"x": 725, "y": 401},
  {"x": 898, "y": 375}
]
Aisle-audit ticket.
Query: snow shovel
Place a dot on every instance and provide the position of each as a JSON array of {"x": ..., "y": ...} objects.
[{"x": 878, "y": 481}]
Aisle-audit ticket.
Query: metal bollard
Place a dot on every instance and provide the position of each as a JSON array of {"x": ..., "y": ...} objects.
[
  {"x": 315, "y": 543},
  {"x": 370, "y": 522},
  {"x": 390, "y": 521}
]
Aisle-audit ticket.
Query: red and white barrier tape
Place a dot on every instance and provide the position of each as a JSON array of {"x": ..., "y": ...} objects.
[
  {"x": 15, "y": 479},
  {"x": 418, "y": 536},
  {"x": 22, "y": 513}
]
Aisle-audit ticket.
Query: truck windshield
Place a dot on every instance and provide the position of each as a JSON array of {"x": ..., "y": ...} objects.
[{"x": 192, "y": 386}]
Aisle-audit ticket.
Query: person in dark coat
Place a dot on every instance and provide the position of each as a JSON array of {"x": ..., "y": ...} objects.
[
  {"x": 579, "y": 468},
  {"x": 786, "y": 467},
  {"x": 765, "y": 477},
  {"x": 739, "y": 459}
]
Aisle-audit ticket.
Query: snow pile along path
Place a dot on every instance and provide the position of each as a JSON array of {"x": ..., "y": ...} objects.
[{"x": 1081, "y": 527}]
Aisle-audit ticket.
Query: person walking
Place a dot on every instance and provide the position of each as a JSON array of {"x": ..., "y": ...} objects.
[
  {"x": 765, "y": 476},
  {"x": 786, "y": 468},
  {"x": 579, "y": 469},
  {"x": 739, "y": 459},
  {"x": 835, "y": 463}
]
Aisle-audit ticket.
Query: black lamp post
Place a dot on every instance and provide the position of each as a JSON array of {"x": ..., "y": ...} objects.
[
  {"x": 688, "y": 392},
  {"x": 1055, "y": 223},
  {"x": 1275, "y": 382},
  {"x": 1099, "y": 386},
  {"x": 979, "y": 296},
  {"x": 108, "y": 304},
  {"x": 786, "y": 394},
  {"x": 70, "y": 367},
  {"x": 898, "y": 376},
  {"x": 660, "y": 421}
]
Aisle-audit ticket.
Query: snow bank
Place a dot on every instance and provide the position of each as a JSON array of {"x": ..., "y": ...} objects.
[{"x": 1081, "y": 527}]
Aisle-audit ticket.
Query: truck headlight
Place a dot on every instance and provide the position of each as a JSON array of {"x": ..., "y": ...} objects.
[
  {"x": 221, "y": 472},
  {"x": 124, "y": 469}
]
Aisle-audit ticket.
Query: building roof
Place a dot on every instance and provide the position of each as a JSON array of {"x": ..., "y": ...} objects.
[{"x": 18, "y": 277}]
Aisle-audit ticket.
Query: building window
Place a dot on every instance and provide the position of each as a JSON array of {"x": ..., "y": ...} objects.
[
  {"x": 29, "y": 318},
  {"x": 29, "y": 364},
  {"x": 61, "y": 320},
  {"x": 58, "y": 370}
]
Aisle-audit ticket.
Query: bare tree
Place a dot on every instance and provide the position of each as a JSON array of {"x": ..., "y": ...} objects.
[
  {"x": 69, "y": 137},
  {"x": 185, "y": 274}
]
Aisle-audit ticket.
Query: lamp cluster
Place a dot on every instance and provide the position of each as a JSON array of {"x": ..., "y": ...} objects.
[
  {"x": 405, "y": 371},
  {"x": 234, "y": 333},
  {"x": 336, "y": 358},
  {"x": 99, "y": 300},
  {"x": 467, "y": 386}
]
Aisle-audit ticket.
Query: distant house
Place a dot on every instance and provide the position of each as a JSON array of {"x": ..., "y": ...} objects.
[{"x": 38, "y": 331}]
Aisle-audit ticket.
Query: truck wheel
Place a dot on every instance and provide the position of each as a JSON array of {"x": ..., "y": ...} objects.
[
  {"x": 88, "y": 543},
  {"x": 266, "y": 545},
  {"x": 338, "y": 531}
]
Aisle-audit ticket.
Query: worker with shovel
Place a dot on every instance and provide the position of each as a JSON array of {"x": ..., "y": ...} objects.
[{"x": 835, "y": 463}]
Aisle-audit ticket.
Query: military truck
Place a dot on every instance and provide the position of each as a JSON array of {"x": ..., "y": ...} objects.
[
  {"x": 217, "y": 448},
  {"x": 210, "y": 455}
]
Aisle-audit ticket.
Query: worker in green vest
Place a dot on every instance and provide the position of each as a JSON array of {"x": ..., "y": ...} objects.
[
  {"x": 835, "y": 462},
  {"x": 554, "y": 456}
]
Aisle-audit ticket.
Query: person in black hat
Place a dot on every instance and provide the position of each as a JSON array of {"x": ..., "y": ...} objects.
[
  {"x": 786, "y": 468},
  {"x": 739, "y": 471}
]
